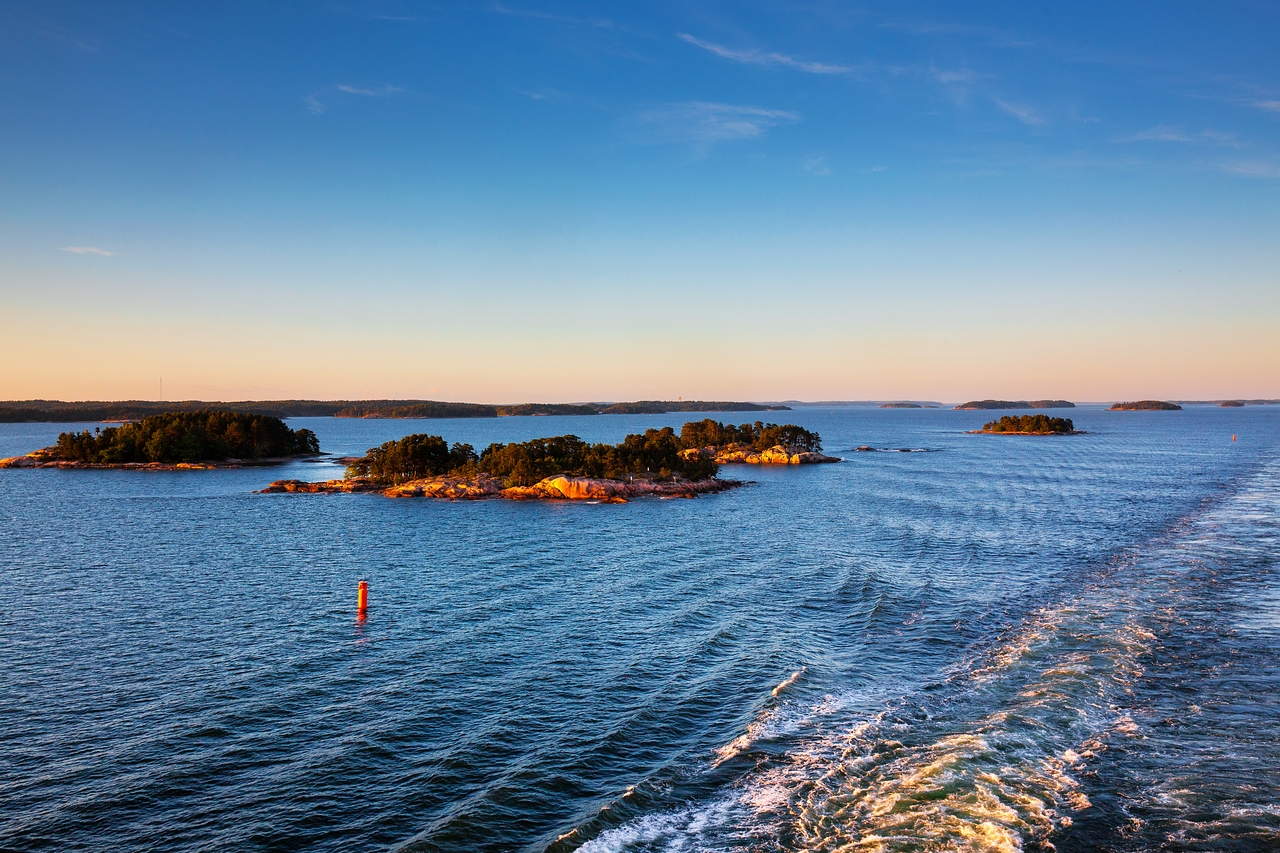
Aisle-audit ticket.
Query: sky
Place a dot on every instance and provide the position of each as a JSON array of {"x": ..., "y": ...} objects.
[{"x": 532, "y": 200}]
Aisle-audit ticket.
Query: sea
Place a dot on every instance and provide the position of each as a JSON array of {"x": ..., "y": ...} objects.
[{"x": 953, "y": 642}]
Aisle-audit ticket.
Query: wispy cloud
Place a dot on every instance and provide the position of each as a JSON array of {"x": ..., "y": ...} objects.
[
  {"x": 756, "y": 57},
  {"x": 86, "y": 250},
  {"x": 1168, "y": 133},
  {"x": 1160, "y": 133},
  {"x": 1269, "y": 106},
  {"x": 1252, "y": 169},
  {"x": 318, "y": 101},
  {"x": 961, "y": 76},
  {"x": 380, "y": 92},
  {"x": 817, "y": 166},
  {"x": 1022, "y": 113},
  {"x": 704, "y": 124}
]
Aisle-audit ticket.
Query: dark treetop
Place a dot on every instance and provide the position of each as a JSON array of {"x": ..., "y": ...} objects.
[
  {"x": 1017, "y": 404},
  {"x": 1031, "y": 425},
  {"x": 654, "y": 454},
  {"x": 1146, "y": 406},
  {"x": 19, "y": 411},
  {"x": 208, "y": 436}
]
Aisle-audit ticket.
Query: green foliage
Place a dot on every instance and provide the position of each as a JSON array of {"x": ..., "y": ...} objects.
[
  {"x": 662, "y": 407},
  {"x": 58, "y": 411},
  {"x": 188, "y": 437},
  {"x": 1147, "y": 406},
  {"x": 1038, "y": 424},
  {"x": 412, "y": 458},
  {"x": 547, "y": 409},
  {"x": 1016, "y": 404},
  {"x": 654, "y": 454},
  {"x": 758, "y": 436},
  {"x": 416, "y": 409}
]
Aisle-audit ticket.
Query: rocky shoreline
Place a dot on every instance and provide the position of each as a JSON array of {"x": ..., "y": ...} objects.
[
  {"x": 42, "y": 459},
  {"x": 734, "y": 454},
  {"x": 995, "y": 432},
  {"x": 557, "y": 488}
]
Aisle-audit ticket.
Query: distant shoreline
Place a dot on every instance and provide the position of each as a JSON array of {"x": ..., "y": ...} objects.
[
  {"x": 127, "y": 411},
  {"x": 56, "y": 411}
]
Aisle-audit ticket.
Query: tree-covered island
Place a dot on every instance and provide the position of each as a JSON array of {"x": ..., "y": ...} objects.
[
  {"x": 1029, "y": 425},
  {"x": 656, "y": 462},
  {"x": 177, "y": 439},
  {"x": 983, "y": 405},
  {"x": 1146, "y": 406}
]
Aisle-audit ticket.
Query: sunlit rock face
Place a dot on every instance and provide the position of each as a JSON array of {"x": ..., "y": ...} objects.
[
  {"x": 741, "y": 454},
  {"x": 559, "y": 487}
]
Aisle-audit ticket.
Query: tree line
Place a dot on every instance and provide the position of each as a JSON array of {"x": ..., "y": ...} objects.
[
  {"x": 1041, "y": 424},
  {"x": 655, "y": 454},
  {"x": 758, "y": 436},
  {"x": 187, "y": 437},
  {"x": 26, "y": 411}
]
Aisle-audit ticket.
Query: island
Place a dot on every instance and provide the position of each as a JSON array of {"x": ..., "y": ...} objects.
[
  {"x": 1146, "y": 406},
  {"x": 1231, "y": 404},
  {"x": 1028, "y": 425},
  {"x": 31, "y": 411},
  {"x": 657, "y": 463},
  {"x": 901, "y": 406},
  {"x": 174, "y": 440},
  {"x": 983, "y": 405}
]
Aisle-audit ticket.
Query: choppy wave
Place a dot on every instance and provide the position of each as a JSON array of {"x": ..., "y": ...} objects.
[{"x": 1006, "y": 754}]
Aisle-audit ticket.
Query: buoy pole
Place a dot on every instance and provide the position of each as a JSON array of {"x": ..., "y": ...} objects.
[{"x": 362, "y": 597}]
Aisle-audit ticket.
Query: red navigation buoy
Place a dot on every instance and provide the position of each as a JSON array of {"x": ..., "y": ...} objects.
[
  {"x": 362, "y": 597},
  {"x": 1233, "y": 436}
]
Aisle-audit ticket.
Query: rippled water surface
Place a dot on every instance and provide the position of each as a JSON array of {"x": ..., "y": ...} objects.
[{"x": 1005, "y": 643}]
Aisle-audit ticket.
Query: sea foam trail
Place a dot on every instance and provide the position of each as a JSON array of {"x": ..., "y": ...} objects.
[
  {"x": 767, "y": 724},
  {"x": 996, "y": 760}
]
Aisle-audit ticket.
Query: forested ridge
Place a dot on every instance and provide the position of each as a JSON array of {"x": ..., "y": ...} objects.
[
  {"x": 1015, "y": 404},
  {"x": 206, "y": 436},
  {"x": 1146, "y": 406},
  {"x": 36, "y": 411},
  {"x": 654, "y": 454},
  {"x": 1034, "y": 424}
]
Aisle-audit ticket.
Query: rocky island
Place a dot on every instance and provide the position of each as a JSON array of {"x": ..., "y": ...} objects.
[
  {"x": 1146, "y": 406},
  {"x": 656, "y": 463},
  {"x": 175, "y": 440},
  {"x": 1028, "y": 425},
  {"x": 983, "y": 405}
]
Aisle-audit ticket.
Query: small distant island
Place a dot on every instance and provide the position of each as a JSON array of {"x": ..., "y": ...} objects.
[
  {"x": 206, "y": 439},
  {"x": 1231, "y": 404},
  {"x": 901, "y": 406},
  {"x": 657, "y": 463},
  {"x": 1029, "y": 425},
  {"x": 1146, "y": 406},
  {"x": 984, "y": 405}
]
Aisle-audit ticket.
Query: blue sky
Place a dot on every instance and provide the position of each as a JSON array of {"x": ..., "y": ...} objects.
[{"x": 541, "y": 200}]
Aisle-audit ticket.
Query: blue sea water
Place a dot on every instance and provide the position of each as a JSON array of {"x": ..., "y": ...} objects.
[{"x": 994, "y": 643}]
